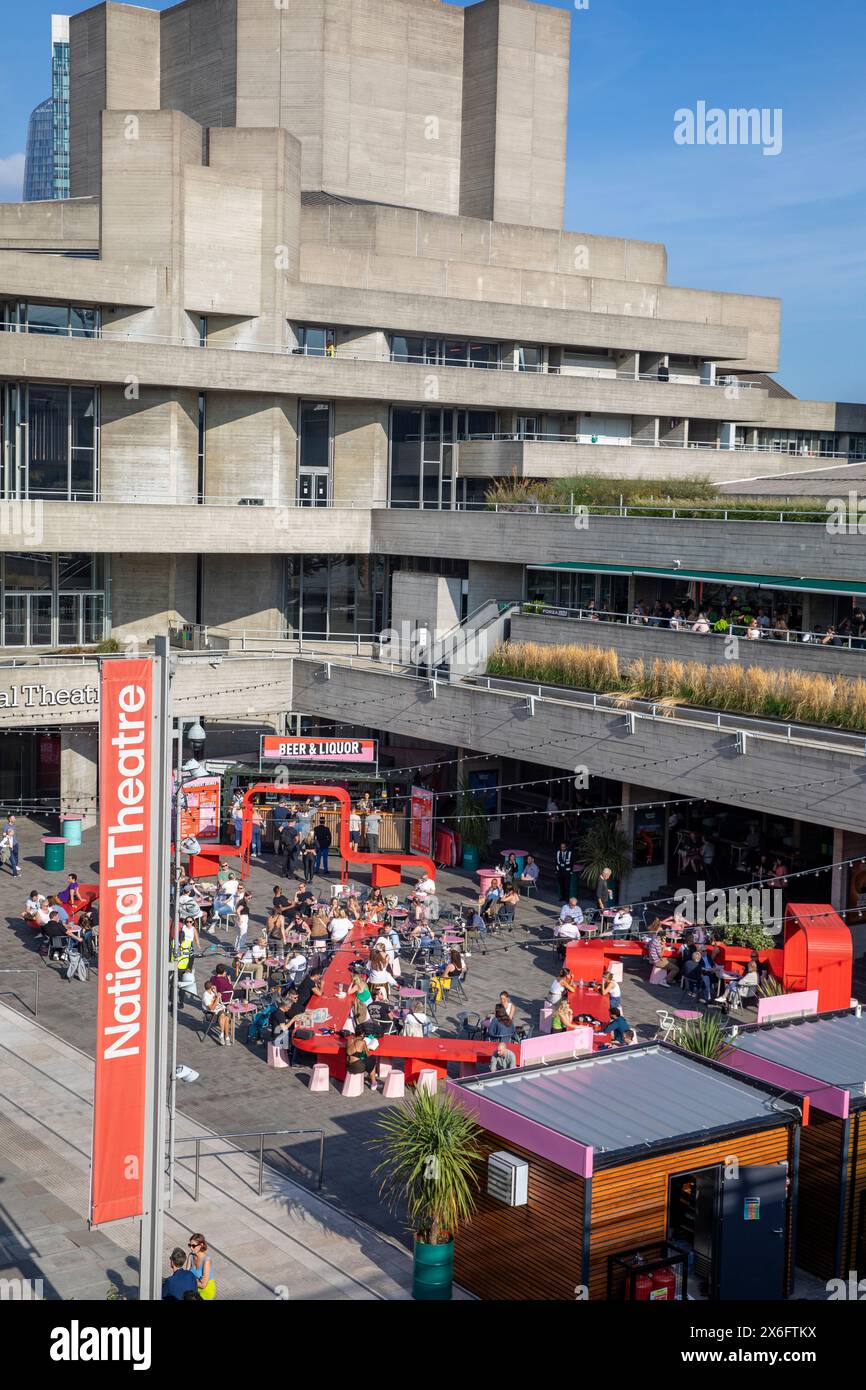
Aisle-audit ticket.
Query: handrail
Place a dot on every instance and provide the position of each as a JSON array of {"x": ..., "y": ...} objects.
[
  {"x": 513, "y": 437},
  {"x": 24, "y": 970},
  {"x": 610, "y": 618},
  {"x": 261, "y": 1135},
  {"x": 103, "y": 333},
  {"x": 699, "y": 717}
]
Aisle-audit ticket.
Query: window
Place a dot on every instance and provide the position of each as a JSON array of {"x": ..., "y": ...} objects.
[
  {"x": 52, "y": 600},
  {"x": 530, "y": 359},
  {"x": 61, "y": 460},
  {"x": 315, "y": 342},
  {"x": 314, "y": 434},
  {"x": 335, "y": 595},
  {"x": 405, "y": 455}
]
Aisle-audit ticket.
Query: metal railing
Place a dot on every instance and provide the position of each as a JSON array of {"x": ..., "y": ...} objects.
[
  {"x": 261, "y": 1135},
  {"x": 111, "y": 334},
  {"x": 23, "y": 970},
  {"x": 513, "y": 437},
  {"x": 610, "y": 618}
]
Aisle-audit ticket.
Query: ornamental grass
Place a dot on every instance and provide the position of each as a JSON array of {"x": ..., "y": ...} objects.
[{"x": 795, "y": 696}]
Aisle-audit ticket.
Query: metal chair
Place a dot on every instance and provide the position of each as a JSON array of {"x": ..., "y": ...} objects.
[
  {"x": 666, "y": 1026},
  {"x": 469, "y": 1025}
]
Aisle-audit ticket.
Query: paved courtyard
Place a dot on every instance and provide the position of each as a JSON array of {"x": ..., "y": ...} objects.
[{"x": 236, "y": 1090}]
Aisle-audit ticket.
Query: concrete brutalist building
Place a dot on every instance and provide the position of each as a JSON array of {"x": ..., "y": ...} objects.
[{"x": 311, "y": 293}]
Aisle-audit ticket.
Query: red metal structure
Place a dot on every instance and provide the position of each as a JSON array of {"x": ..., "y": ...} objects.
[
  {"x": 818, "y": 954},
  {"x": 386, "y": 868}
]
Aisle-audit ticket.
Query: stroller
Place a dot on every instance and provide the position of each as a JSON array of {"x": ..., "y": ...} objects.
[{"x": 77, "y": 967}]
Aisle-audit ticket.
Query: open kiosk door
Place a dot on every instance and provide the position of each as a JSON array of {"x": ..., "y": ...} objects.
[{"x": 750, "y": 1251}]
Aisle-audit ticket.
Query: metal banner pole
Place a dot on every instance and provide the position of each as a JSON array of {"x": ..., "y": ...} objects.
[
  {"x": 175, "y": 972},
  {"x": 153, "y": 1220}
]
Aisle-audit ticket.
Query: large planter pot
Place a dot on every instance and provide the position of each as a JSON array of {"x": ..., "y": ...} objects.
[
  {"x": 433, "y": 1271},
  {"x": 470, "y": 858}
]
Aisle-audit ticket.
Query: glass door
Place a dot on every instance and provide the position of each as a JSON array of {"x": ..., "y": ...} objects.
[
  {"x": 27, "y": 620},
  {"x": 312, "y": 488}
]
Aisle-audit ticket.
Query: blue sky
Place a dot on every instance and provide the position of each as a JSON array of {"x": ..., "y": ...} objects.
[{"x": 732, "y": 218}]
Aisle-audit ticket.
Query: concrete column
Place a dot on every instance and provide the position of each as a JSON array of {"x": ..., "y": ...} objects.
[
  {"x": 79, "y": 764},
  {"x": 839, "y": 875}
]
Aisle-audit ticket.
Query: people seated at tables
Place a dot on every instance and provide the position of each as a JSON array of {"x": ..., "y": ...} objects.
[
  {"x": 507, "y": 1004},
  {"x": 622, "y": 920},
  {"x": 426, "y": 885},
  {"x": 570, "y": 920},
  {"x": 503, "y": 1059},
  {"x": 310, "y": 987},
  {"x": 54, "y": 933},
  {"x": 507, "y": 906},
  {"x": 226, "y": 897},
  {"x": 380, "y": 973},
  {"x": 376, "y": 899},
  {"x": 217, "y": 994},
  {"x": 339, "y": 929},
  {"x": 295, "y": 965},
  {"x": 629, "y": 1038},
  {"x": 610, "y": 989},
  {"x": 563, "y": 983},
  {"x": 36, "y": 908},
  {"x": 692, "y": 972},
  {"x": 530, "y": 873},
  {"x": 353, "y": 908},
  {"x": 489, "y": 901},
  {"x": 254, "y": 957},
  {"x": 509, "y": 869},
  {"x": 656, "y": 955},
  {"x": 318, "y": 928},
  {"x": 500, "y": 1028},
  {"x": 563, "y": 1018},
  {"x": 71, "y": 894},
  {"x": 360, "y": 1061},
  {"x": 617, "y": 1027}
]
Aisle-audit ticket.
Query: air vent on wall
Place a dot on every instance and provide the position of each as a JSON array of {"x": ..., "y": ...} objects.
[{"x": 508, "y": 1179}]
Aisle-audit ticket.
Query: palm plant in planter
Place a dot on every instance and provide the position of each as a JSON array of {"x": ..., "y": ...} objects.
[
  {"x": 604, "y": 845},
  {"x": 706, "y": 1036},
  {"x": 472, "y": 826},
  {"x": 430, "y": 1171}
]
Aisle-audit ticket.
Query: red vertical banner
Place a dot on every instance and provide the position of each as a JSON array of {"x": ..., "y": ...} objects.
[{"x": 125, "y": 767}]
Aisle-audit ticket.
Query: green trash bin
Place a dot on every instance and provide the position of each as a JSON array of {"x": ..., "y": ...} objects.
[
  {"x": 433, "y": 1271},
  {"x": 72, "y": 829},
  {"x": 469, "y": 858},
  {"x": 55, "y": 851}
]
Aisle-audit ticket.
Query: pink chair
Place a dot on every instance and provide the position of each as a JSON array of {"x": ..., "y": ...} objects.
[
  {"x": 427, "y": 1080},
  {"x": 395, "y": 1085},
  {"x": 353, "y": 1084},
  {"x": 320, "y": 1079},
  {"x": 277, "y": 1056}
]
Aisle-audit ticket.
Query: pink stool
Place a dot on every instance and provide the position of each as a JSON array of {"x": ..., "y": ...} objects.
[
  {"x": 395, "y": 1085},
  {"x": 545, "y": 1018},
  {"x": 321, "y": 1078},
  {"x": 427, "y": 1080},
  {"x": 658, "y": 976},
  {"x": 384, "y": 1069},
  {"x": 276, "y": 1056},
  {"x": 353, "y": 1084}
]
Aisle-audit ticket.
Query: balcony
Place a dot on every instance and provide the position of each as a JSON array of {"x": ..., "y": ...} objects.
[{"x": 563, "y": 456}]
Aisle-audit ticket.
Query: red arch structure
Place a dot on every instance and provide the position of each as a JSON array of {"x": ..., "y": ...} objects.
[
  {"x": 818, "y": 954},
  {"x": 386, "y": 867}
]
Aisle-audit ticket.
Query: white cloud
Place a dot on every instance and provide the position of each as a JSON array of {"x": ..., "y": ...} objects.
[{"x": 11, "y": 178}]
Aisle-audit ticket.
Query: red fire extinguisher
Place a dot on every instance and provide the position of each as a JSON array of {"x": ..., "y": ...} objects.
[
  {"x": 664, "y": 1283},
  {"x": 642, "y": 1286}
]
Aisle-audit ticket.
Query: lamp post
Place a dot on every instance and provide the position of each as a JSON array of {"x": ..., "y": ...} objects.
[{"x": 196, "y": 736}]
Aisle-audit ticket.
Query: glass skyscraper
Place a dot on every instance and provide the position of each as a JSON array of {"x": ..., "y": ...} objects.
[{"x": 46, "y": 157}]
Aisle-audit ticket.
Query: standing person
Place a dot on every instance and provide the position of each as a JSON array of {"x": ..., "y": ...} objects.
[
  {"x": 237, "y": 815},
  {"x": 373, "y": 826},
  {"x": 181, "y": 1280},
  {"x": 9, "y": 842},
  {"x": 289, "y": 841},
  {"x": 199, "y": 1261},
  {"x": 322, "y": 837},
  {"x": 354, "y": 828},
  {"x": 258, "y": 826},
  {"x": 603, "y": 892},
  {"x": 309, "y": 857},
  {"x": 563, "y": 870}
]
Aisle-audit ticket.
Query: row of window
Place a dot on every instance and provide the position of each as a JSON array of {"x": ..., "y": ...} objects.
[
  {"x": 52, "y": 600},
  {"x": 67, "y": 320}
]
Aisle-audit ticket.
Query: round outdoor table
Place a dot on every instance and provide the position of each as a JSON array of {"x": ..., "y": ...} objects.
[
  {"x": 55, "y": 850},
  {"x": 71, "y": 826},
  {"x": 412, "y": 994},
  {"x": 686, "y": 1014}
]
